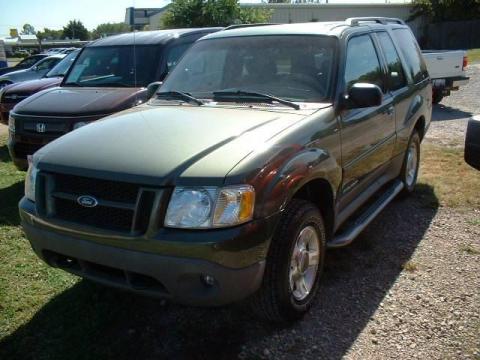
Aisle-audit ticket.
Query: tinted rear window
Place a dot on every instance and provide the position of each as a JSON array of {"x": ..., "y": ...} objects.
[{"x": 411, "y": 53}]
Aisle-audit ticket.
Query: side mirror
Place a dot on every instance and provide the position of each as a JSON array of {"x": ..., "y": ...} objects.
[
  {"x": 152, "y": 88},
  {"x": 362, "y": 95},
  {"x": 472, "y": 143},
  {"x": 35, "y": 68}
]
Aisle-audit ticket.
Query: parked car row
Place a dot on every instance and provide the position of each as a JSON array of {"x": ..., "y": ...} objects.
[
  {"x": 109, "y": 75},
  {"x": 12, "y": 94},
  {"x": 264, "y": 146}
]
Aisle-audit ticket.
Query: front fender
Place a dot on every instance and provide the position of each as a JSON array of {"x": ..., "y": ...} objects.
[{"x": 279, "y": 180}]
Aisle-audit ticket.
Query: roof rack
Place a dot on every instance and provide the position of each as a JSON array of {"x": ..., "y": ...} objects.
[
  {"x": 355, "y": 21},
  {"x": 238, "y": 26}
]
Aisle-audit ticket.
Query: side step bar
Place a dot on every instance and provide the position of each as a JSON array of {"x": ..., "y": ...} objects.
[{"x": 357, "y": 226}]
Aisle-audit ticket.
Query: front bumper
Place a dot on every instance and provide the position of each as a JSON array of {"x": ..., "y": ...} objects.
[
  {"x": 5, "y": 109},
  {"x": 236, "y": 263},
  {"x": 20, "y": 146}
]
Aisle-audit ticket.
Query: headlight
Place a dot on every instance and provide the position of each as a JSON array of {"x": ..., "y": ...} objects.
[
  {"x": 31, "y": 179},
  {"x": 11, "y": 123},
  {"x": 80, "y": 124},
  {"x": 203, "y": 208}
]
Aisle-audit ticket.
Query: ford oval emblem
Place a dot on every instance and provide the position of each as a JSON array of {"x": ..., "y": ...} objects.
[{"x": 87, "y": 201}]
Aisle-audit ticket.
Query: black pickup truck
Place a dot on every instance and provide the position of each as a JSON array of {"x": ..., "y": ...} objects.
[
  {"x": 109, "y": 75},
  {"x": 265, "y": 146}
]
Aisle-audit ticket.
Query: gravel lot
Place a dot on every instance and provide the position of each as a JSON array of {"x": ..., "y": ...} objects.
[
  {"x": 408, "y": 287},
  {"x": 451, "y": 115}
]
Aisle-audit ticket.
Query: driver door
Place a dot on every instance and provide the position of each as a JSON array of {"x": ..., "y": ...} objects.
[{"x": 368, "y": 134}]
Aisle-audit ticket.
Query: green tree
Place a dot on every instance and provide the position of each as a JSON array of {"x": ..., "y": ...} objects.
[
  {"x": 75, "y": 30},
  {"x": 110, "y": 29},
  {"x": 28, "y": 30},
  {"x": 198, "y": 13},
  {"x": 50, "y": 34},
  {"x": 446, "y": 10}
]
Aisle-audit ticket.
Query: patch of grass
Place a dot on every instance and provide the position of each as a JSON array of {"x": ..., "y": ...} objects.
[
  {"x": 473, "y": 55},
  {"x": 454, "y": 182},
  {"x": 470, "y": 249},
  {"x": 410, "y": 266},
  {"x": 474, "y": 222}
]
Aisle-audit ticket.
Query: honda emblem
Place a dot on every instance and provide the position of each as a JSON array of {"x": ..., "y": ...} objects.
[{"x": 41, "y": 127}]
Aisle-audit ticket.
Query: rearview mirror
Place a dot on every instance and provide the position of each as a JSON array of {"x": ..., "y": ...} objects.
[
  {"x": 362, "y": 95},
  {"x": 472, "y": 143},
  {"x": 152, "y": 88}
]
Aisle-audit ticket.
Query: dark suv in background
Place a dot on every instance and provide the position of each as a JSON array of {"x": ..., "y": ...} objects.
[{"x": 109, "y": 75}]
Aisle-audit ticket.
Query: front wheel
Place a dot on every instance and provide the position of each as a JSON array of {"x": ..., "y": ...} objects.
[
  {"x": 294, "y": 265},
  {"x": 411, "y": 164}
]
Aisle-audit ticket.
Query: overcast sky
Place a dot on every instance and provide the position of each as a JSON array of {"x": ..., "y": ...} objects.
[{"x": 54, "y": 14}]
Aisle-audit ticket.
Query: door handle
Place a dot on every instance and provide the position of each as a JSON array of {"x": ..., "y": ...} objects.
[{"x": 390, "y": 110}]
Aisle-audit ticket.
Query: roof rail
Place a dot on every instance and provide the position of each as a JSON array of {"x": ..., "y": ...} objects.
[
  {"x": 238, "y": 26},
  {"x": 355, "y": 21}
]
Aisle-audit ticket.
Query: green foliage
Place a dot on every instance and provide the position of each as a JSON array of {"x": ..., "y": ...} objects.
[
  {"x": 198, "y": 13},
  {"x": 50, "y": 34},
  {"x": 446, "y": 10},
  {"x": 107, "y": 29},
  {"x": 76, "y": 30},
  {"x": 28, "y": 30}
]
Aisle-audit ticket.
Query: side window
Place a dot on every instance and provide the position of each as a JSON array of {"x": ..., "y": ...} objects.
[
  {"x": 362, "y": 64},
  {"x": 412, "y": 54},
  {"x": 396, "y": 75},
  {"x": 175, "y": 54},
  {"x": 47, "y": 64}
]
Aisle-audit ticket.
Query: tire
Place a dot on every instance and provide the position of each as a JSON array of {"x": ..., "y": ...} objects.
[
  {"x": 437, "y": 96},
  {"x": 409, "y": 173},
  {"x": 279, "y": 298}
]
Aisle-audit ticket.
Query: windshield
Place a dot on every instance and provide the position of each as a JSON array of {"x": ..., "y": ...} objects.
[
  {"x": 30, "y": 61},
  {"x": 115, "y": 66},
  {"x": 62, "y": 67},
  {"x": 291, "y": 67}
]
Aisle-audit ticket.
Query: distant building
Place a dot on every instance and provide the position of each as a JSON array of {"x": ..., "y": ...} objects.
[
  {"x": 138, "y": 18},
  {"x": 293, "y": 13}
]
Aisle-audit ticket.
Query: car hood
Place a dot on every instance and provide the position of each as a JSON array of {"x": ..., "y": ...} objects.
[
  {"x": 67, "y": 101},
  {"x": 32, "y": 86},
  {"x": 157, "y": 145}
]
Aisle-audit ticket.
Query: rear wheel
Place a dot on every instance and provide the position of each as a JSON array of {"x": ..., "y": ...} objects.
[
  {"x": 411, "y": 164},
  {"x": 294, "y": 265},
  {"x": 437, "y": 96}
]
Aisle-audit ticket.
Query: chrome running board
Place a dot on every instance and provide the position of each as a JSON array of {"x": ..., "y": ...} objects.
[{"x": 359, "y": 224}]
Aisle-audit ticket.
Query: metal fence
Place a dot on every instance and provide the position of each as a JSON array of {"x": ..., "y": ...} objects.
[{"x": 452, "y": 35}]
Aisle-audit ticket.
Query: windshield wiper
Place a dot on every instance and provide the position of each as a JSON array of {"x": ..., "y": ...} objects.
[
  {"x": 252, "y": 96},
  {"x": 179, "y": 95}
]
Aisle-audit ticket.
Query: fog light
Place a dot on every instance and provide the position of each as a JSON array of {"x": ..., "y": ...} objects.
[{"x": 208, "y": 280}]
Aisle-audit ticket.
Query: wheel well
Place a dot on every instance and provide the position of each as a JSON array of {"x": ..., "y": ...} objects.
[
  {"x": 420, "y": 126},
  {"x": 320, "y": 193}
]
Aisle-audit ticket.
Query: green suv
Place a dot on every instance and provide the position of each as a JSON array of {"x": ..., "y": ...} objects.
[{"x": 265, "y": 146}]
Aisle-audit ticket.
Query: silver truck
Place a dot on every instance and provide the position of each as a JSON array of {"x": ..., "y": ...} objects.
[{"x": 447, "y": 71}]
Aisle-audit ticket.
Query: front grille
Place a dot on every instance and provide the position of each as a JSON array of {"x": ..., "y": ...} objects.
[
  {"x": 119, "y": 206},
  {"x": 13, "y": 98},
  {"x": 99, "y": 216},
  {"x": 104, "y": 189}
]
